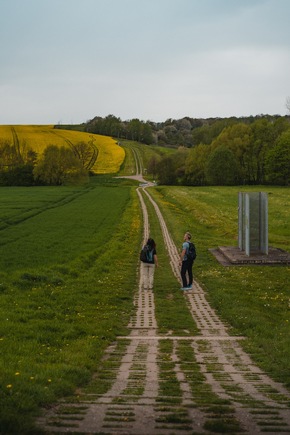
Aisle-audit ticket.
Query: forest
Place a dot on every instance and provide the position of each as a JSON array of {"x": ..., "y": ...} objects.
[{"x": 215, "y": 151}]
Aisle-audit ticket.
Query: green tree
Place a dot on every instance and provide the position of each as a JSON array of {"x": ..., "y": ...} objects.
[
  {"x": 211, "y": 130},
  {"x": 166, "y": 171},
  {"x": 8, "y": 154},
  {"x": 278, "y": 161},
  {"x": 135, "y": 129},
  {"x": 180, "y": 158},
  {"x": 146, "y": 135},
  {"x": 59, "y": 165},
  {"x": 86, "y": 152},
  {"x": 263, "y": 138},
  {"x": 280, "y": 125},
  {"x": 195, "y": 165},
  {"x": 21, "y": 175},
  {"x": 221, "y": 168},
  {"x": 152, "y": 166},
  {"x": 112, "y": 126},
  {"x": 237, "y": 138}
]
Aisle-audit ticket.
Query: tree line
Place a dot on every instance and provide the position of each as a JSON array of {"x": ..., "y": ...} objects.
[
  {"x": 239, "y": 153},
  {"x": 112, "y": 126},
  {"x": 219, "y": 151},
  {"x": 186, "y": 131},
  {"x": 21, "y": 166}
]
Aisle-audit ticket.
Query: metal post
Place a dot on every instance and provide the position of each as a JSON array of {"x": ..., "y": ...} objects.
[{"x": 253, "y": 222}]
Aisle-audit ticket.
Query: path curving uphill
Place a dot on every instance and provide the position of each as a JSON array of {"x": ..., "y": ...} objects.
[{"x": 220, "y": 390}]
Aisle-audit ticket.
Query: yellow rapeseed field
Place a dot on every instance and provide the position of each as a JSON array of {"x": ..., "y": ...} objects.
[{"x": 38, "y": 137}]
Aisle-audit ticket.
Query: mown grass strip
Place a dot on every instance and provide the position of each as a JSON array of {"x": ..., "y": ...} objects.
[{"x": 170, "y": 305}]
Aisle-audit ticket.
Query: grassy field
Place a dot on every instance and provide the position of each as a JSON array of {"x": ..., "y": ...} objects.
[
  {"x": 65, "y": 290},
  {"x": 38, "y": 137},
  {"x": 253, "y": 300},
  {"x": 61, "y": 305}
]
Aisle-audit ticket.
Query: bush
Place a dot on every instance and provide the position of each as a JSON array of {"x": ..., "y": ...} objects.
[{"x": 222, "y": 167}]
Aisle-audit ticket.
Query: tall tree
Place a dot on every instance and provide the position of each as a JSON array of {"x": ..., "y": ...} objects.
[
  {"x": 59, "y": 165},
  {"x": 278, "y": 161},
  {"x": 8, "y": 154},
  {"x": 195, "y": 165},
  {"x": 135, "y": 129},
  {"x": 86, "y": 152},
  {"x": 237, "y": 138},
  {"x": 221, "y": 168},
  {"x": 166, "y": 171},
  {"x": 152, "y": 166},
  {"x": 146, "y": 136},
  {"x": 263, "y": 138}
]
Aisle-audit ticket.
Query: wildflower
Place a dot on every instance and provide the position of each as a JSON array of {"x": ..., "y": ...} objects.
[
  {"x": 17, "y": 373},
  {"x": 9, "y": 386}
]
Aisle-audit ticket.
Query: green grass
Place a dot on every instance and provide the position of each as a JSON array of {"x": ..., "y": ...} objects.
[
  {"x": 59, "y": 232},
  {"x": 61, "y": 306},
  {"x": 254, "y": 300},
  {"x": 66, "y": 292},
  {"x": 128, "y": 166}
]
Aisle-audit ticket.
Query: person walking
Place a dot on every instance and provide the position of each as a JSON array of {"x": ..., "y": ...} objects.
[
  {"x": 186, "y": 263},
  {"x": 149, "y": 261}
]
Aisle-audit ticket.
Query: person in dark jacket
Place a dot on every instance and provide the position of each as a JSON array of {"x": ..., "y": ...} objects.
[
  {"x": 186, "y": 264},
  {"x": 148, "y": 266}
]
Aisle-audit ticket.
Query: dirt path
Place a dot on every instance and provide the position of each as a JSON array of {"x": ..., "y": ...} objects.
[{"x": 177, "y": 385}]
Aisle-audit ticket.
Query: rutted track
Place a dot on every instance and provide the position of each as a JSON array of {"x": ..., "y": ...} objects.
[
  {"x": 219, "y": 386},
  {"x": 138, "y": 161}
]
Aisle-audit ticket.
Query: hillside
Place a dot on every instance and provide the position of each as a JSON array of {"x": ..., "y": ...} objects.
[{"x": 109, "y": 156}]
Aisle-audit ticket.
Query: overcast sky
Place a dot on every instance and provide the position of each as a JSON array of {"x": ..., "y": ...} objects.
[{"x": 66, "y": 61}]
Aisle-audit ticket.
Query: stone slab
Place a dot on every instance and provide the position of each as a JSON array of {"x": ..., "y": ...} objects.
[{"x": 233, "y": 256}]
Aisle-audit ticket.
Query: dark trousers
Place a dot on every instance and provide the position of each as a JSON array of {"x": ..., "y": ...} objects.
[{"x": 186, "y": 267}]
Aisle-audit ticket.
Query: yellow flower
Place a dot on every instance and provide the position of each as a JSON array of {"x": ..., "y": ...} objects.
[
  {"x": 9, "y": 386},
  {"x": 110, "y": 155}
]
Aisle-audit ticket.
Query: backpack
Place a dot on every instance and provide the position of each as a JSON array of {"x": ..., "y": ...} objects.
[
  {"x": 191, "y": 252},
  {"x": 146, "y": 255}
]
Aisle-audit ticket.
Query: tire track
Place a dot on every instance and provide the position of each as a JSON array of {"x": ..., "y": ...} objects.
[
  {"x": 177, "y": 385},
  {"x": 138, "y": 162}
]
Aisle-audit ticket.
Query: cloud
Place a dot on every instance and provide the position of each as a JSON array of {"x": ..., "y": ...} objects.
[{"x": 153, "y": 60}]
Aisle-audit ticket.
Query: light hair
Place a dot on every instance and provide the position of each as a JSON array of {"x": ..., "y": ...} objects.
[{"x": 188, "y": 234}]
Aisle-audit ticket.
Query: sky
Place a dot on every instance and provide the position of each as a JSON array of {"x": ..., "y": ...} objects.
[{"x": 67, "y": 61}]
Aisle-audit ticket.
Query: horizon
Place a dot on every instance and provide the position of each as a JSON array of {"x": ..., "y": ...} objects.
[{"x": 259, "y": 115}]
